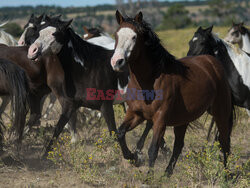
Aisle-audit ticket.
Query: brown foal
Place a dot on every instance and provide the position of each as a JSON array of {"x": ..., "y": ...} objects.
[{"x": 189, "y": 87}]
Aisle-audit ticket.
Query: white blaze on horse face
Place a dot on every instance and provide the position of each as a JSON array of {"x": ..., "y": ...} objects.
[
  {"x": 21, "y": 41},
  {"x": 195, "y": 39},
  {"x": 125, "y": 44},
  {"x": 47, "y": 40}
]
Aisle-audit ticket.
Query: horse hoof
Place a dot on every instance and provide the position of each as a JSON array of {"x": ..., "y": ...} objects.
[
  {"x": 138, "y": 161},
  {"x": 168, "y": 173},
  {"x": 165, "y": 151}
]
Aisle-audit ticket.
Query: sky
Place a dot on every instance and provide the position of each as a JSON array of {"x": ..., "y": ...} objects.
[{"x": 63, "y": 3}]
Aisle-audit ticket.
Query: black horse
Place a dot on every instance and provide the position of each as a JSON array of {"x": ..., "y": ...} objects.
[{"x": 235, "y": 62}]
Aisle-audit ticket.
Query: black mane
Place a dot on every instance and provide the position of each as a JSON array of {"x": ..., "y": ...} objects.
[
  {"x": 163, "y": 60},
  {"x": 83, "y": 50}
]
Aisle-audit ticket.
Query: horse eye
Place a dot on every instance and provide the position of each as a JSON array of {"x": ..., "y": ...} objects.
[{"x": 134, "y": 38}]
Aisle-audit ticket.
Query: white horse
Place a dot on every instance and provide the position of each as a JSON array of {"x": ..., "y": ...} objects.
[
  {"x": 6, "y": 38},
  {"x": 238, "y": 34},
  {"x": 99, "y": 38}
]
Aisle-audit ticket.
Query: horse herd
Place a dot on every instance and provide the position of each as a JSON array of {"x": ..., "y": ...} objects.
[{"x": 97, "y": 71}]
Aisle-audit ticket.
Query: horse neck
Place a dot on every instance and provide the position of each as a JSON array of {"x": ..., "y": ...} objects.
[
  {"x": 80, "y": 49},
  {"x": 245, "y": 43},
  {"x": 141, "y": 69}
]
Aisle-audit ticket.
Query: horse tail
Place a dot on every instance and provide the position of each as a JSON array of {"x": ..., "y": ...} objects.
[{"x": 16, "y": 83}]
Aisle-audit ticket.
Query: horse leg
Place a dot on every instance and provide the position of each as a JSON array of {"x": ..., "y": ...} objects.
[
  {"x": 124, "y": 106},
  {"x": 67, "y": 109},
  {"x": 35, "y": 111},
  {"x": 210, "y": 129},
  {"x": 224, "y": 129},
  {"x": 141, "y": 142},
  {"x": 130, "y": 122},
  {"x": 159, "y": 128},
  {"x": 179, "y": 133},
  {"x": 5, "y": 102},
  {"x": 108, "y": 114},
  {"x": 72, "y": 128},
  {"x": 52, "y": 100}
]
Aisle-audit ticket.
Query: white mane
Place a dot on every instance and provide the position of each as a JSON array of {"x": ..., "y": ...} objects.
[
  {"x": 239, "y": 58},
  {"x": 6, "y": 38}
]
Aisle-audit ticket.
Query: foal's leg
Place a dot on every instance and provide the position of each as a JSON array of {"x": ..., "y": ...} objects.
[
  {"x": 179, "y": 133},
  {"x": 130, "y": 122}
]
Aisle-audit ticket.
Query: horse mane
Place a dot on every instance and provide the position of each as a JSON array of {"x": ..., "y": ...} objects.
[
  {"x": 163, "y": 60},
  {"x": 82, "y": 50}
]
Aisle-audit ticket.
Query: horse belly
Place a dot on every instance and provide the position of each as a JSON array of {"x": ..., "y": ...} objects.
[{"x": 193, "y": 101}]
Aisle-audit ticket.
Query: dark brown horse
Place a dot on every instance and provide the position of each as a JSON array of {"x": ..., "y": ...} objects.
[
  {"x": 183, "y": 89},
  {"x": 14, "y": 84},
  {"x": 45, "y": 75}
]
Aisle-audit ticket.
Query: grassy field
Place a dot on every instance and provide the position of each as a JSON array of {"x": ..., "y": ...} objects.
[
  {"x": 96, "y": 161},
  {"x": 176, "y": 41}
]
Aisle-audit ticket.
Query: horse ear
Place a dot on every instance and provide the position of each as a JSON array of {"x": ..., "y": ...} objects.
[
  {"x": 199, "y": 29},
  {"x": 139, "y": 17},
  {"x": 47, "y": 18},
  {"x": 66, "y": 24},
  {"x": 233, "y": 23},
  {"x": 209, "y": 29},
  {"x": 58, "y": 16},
  {"x": 119, "y": 17},
  {"x": 85, "y": 29},
  {"x": 32, "y": 16},
  {"x": 40, "y": 17}
]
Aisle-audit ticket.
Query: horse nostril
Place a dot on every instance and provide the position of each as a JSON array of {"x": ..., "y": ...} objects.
[
  {"x": 119, "y": 62},
  {"x": 35, "y": 50}
]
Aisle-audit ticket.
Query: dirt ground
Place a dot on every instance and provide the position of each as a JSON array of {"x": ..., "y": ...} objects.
[{"x": 27, "y": 169}]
